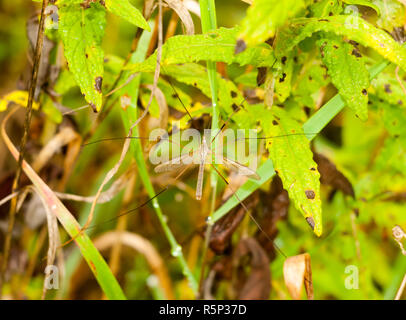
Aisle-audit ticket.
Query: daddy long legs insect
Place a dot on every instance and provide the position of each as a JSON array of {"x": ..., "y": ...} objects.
[{"x": 204, "y": 156}]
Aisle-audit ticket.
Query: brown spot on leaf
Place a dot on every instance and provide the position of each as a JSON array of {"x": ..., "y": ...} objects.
[
  {"x": 98, "y": 84},
  {"x": 364, "y": 92},
  {"x": 283, "y": 77},
  {"x": 283, "y": 60},
  {"x": 387, "y": 88},
  {"x": 92, "y": 105},
  {"x": 233, "y": 94},
  {"x": 240, "y": 46},
  {"x": 275, "y": 123},
  {"x": 311, "y": 222},
  {"x": 356, "y": 53},
  {"x": 310, "y": 194},
  {"x": 261, "y": 76}
]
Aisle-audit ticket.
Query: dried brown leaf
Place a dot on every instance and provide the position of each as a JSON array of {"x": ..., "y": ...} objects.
[
  {"x": 223, "y": 229},
  {"x": 257, "y": 284},
  {"x": 62, "y": 138},
  {"x": 179, "y": 7},
  {"x": 275, "y": 208},
  {"x": 296, "y": 270},
  {"x": 330, "y": 175}
]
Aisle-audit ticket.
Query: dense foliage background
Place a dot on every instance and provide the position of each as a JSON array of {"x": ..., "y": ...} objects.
[{"x": 321, "y": 81}]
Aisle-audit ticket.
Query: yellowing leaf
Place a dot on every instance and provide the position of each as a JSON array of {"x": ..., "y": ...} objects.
[
  {"x": 348, "y": 73},
  {"x": 353, "y": 27},
  {"x": 18, "y": 97},
  {"x": 217, "y": 45},
  {"x": 293, "y": 162},
  {"x": 264, "y": 16},
  {"x": 82, "y": 30},
  {"x": 292, "y": 159},
  {"x": 125, "y": 10}
]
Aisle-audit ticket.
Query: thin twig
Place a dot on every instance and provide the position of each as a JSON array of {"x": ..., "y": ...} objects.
[
  {"x": 401, "y": 288},
  {"x": 400, "y": 80},
  {"x": 28, "y": 116}
]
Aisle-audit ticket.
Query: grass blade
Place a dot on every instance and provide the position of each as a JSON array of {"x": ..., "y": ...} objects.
[{"x": 97, "y": 264}]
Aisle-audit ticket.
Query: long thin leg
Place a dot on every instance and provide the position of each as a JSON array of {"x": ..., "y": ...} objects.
[{"x": 199, "y": 186}]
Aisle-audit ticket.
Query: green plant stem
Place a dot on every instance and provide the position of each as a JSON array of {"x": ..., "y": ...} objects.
[
  {"x": 311, "y": 127},
  {"x": 130, "y": 116},
  {"x": 209, "y": 22},
  {"x": 176, "y": 249}
]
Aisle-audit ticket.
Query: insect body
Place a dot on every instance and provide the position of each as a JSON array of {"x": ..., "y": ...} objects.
[{"x": 203, "y": 156}]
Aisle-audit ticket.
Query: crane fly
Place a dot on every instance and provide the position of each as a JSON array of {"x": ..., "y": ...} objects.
[{"x": 204, "y": 156}]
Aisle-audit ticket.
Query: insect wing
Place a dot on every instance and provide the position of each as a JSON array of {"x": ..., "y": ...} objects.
[
  {"x": 240, "y": 168},
  {"x": 173, "y": 164}
]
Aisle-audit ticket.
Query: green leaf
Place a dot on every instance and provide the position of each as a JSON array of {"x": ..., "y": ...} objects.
[
  {"x": 51, "y": 110},
  {"x": 365, "y": 3},
  {"x": 196, "y": 75},
  {"x": 125, "y": 10},
  {"x": 353, "y": 27},
  {"x": 265, "y": 16},
  {"x": 81, "y": 31},
  {"x": 392, "y": 156},
  {"x": 326, "y": 8},
  {"x": 293, "y": 162},
  {"x": 292, "y": 158},
  {"x": 312, "y": 126},
  {"x": 65, "y": 82},
  {"x": 217, "y": 46},
  {"x": 387, "y": 88},
  {"x": 283, "y": 81},
  {"x": 394, "y": 120},
  {"x": 167, "y": 89},
  {"x": 392, "y": 14},
  {"x": 311, "y": 78},
  {"x": 348, "y": 73},
  {"x": 248, "y": 79}
]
